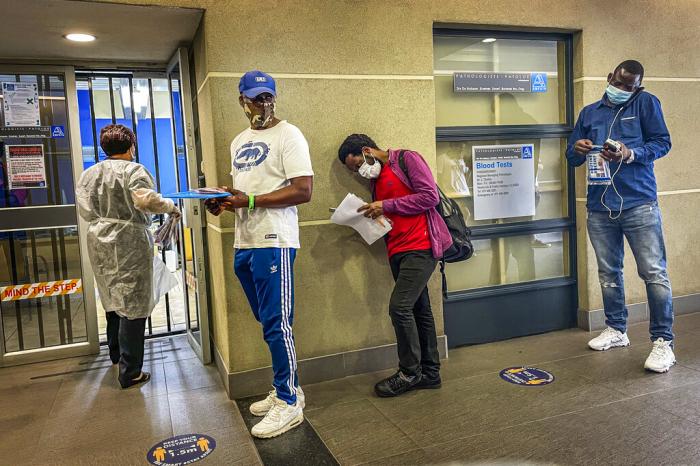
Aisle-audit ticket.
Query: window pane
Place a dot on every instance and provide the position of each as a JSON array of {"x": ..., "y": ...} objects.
[
  {"x": 471, "y": 54},
  {"x": 57, "y": 156},
  {"x": 455, "y": 170},
  {"x": 514, "y": 259},
  {"x": 35, "y": 257}
]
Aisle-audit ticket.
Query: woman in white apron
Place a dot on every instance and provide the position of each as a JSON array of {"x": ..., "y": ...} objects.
[{"x": 116, "y": 197}]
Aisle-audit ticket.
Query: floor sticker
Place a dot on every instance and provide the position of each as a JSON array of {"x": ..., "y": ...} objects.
[
  {"x": 181, "y": 450},
  {"x": 530, "y": 376}
]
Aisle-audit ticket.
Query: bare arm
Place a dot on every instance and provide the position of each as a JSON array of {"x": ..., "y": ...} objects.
[{"x": 297, "y": 192}]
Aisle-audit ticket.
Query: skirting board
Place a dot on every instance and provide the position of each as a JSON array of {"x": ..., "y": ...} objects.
[
  {"x": 313, "y": 370},
  {"x": 595, "y": 320}
]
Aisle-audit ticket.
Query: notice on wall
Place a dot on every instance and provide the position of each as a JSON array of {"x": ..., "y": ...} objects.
[
  {"x": 499, "y": 82},
  {"x": 504, "y": 181},
  {"x": 26, "y": 167},
  {"x": 21, "y": 104}
]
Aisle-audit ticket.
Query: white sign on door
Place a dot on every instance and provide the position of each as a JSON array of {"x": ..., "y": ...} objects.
[
  {"x": 504, "y": 181},
  {"x": 20, "y": 104}
]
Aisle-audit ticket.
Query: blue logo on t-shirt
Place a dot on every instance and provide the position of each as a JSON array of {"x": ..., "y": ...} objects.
[{"x": 250, "y": 155}]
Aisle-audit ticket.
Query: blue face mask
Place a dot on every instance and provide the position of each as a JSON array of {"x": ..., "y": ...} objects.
[{"x": 617, "y": 96}]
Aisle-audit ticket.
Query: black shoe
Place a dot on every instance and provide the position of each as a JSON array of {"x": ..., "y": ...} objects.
[
  {"x": 427, "y": 383},
  {"x": 396, "y": 385},
  {"x": 143, "y": 379}
]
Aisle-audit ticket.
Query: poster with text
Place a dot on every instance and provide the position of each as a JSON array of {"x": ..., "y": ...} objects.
[
  {"x": 504, "y": 181},
  {"x": 20, "y": 104},
  {"x": 26, "y": 167}
]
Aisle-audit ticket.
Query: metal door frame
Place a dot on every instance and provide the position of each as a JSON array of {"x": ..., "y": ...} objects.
[
  {"x": 92, "y": 345},
  {"x": 193, "y": 212}
]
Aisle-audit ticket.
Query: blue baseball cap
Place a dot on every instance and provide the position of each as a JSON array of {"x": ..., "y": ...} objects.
[{"x": 255, "y": 82}]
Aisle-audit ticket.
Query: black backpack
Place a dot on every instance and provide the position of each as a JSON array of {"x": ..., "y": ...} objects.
[{"x": 462, "y": 248}]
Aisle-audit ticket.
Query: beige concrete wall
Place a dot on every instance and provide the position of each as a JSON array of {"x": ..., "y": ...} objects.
[{"x": 317, "y": 48}]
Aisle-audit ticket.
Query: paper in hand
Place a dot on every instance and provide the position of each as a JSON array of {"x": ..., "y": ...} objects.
[{"x": 370, "y": 229}]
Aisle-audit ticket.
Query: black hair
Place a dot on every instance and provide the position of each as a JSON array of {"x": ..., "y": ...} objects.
[
  {"x": 116, "y": 139},
  {"x": 631, "y": 66},
  {"x": 353, "y": 144}
]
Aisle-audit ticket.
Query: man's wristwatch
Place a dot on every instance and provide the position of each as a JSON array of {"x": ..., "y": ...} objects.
[{"x": 630, "y": 159}]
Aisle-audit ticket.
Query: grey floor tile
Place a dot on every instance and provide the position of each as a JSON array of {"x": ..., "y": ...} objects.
[
  {"x": 177, "y": 348},
  {"x": 320, "y": 395},
  {"x": 482, "y": 359},
  {"x": 470, "y": 406},
  {"x": 234, "y": 447},
  {"x": 190, "y": 374},
  {"x": 411, "y": 457},
  {"x": 105, "y": 453},
  {"x": 105, "y": 420},
  {"x": 683, "y": 402},
  {"x": 202, "y": 410},
  {"x": 356, "y": 432},
  {"x": 622, "y": 370},
  {"x": 621, "y": 433}
]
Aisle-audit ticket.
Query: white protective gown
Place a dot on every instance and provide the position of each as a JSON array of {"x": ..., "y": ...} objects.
[{"x": 116, "y": 198}]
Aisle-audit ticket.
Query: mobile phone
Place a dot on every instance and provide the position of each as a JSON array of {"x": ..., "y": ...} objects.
[{"x": 612, "y": 145}]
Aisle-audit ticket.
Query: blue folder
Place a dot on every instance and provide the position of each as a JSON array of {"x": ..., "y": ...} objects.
[{"x": 193, "y": 194}]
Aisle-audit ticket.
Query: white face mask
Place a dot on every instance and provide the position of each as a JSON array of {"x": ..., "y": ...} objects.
[{"x": 371, "y": 172}]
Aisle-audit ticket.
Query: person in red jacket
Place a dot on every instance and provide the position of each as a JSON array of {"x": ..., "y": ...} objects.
[{"x": 416, "y": 242}]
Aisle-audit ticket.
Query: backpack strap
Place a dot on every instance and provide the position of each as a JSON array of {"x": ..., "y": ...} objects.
[{"x": 402, "y": 165}]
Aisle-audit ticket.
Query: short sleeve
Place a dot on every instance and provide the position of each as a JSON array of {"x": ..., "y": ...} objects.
[{"x": 296, "y": 158}]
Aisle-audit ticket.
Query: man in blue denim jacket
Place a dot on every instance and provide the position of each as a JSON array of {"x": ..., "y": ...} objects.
[{"x": 627, "y": 207}]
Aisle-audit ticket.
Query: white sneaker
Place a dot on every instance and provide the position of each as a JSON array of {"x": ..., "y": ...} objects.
[
  {"x": 260, "y": 408},
  {"x": 661, "y": 357},
  {"x": 609, "y": 338},
  {"x": 279, "y": 419}
]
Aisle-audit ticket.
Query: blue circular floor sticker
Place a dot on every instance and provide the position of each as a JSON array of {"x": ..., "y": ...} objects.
[
  {"x": 529, "y": 376},
  {"x": 181, "y": 450}
]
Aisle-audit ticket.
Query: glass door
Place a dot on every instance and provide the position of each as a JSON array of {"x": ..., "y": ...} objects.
[
  {"x": 47, "y": 305},
  {"x": 192, "y": 237}
]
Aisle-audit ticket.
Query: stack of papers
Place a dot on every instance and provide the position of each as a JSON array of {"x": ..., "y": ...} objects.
[{"x": 370, "y": 229}]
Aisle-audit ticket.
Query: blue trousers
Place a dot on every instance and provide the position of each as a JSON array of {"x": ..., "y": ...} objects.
[
  {"x": 641, "y": 226},
  {"x": 267, "y": 277}
]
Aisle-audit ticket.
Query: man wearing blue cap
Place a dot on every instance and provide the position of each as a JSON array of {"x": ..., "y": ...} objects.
[{"x": 272, "y": 174}]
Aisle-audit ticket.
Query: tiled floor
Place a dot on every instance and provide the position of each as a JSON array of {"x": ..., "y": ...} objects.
[
  {"x": 84, "y": 418},
  {"x": 602, "y": 408}
]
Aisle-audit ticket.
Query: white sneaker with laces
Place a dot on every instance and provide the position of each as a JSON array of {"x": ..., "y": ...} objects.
[
  {"x": 609, "y": 338},
  {"x": 279, "y": 419},
  {"x": 260, "y": 408},
  {"x": 661, "y": 357}
]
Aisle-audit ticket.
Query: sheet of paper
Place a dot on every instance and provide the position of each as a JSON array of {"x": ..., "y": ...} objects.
[
  {"x": 21, "y": 104},
  {"x": 346, "y": 214}
]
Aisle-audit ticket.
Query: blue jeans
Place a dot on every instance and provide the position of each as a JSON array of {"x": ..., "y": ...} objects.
[{"x": 641, "y": 226}]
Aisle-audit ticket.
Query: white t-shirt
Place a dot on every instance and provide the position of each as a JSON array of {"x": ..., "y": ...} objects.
[{"x": 263, "y": 161}]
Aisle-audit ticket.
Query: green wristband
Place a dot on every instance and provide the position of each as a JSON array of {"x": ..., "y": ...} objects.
[{"x": 251, "y": 202}]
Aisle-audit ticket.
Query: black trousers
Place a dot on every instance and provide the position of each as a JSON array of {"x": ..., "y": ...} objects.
[
  {"x": 412, "y": 315},
  {"x": 125, "y": 339}
]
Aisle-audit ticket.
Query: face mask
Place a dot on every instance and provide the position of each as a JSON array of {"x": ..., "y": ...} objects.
[
  {"x": 617, "y": 96},
  {"x": 260, "y": 121},
  {"x": 371, "y": 172}
]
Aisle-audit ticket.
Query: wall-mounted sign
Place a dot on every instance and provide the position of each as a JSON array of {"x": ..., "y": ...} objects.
[
  {"x": 504, "y": 181},
  {"x": 26, "y": 167},
  {"x": 499, "y": 82},
  {"x": 20, "y": 132},
  {"x": 20, "y": 104}
]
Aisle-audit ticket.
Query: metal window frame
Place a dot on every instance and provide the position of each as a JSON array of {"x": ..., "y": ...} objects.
[
  {"x": 506, "y": 132},
  {"x": 91, "y": 346}
]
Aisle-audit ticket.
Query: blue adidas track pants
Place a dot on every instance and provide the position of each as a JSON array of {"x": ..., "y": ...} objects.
[{"x": 267, "y": 277}]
